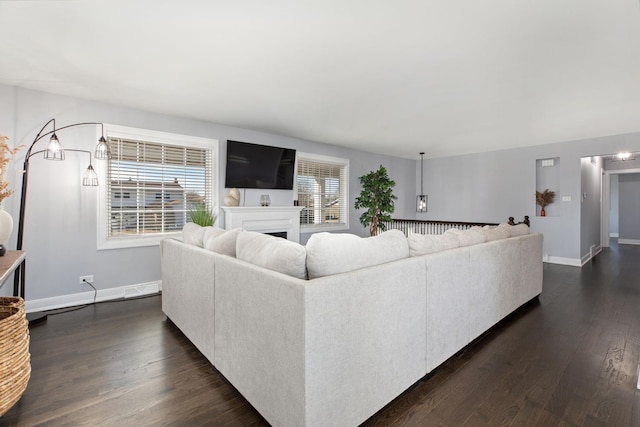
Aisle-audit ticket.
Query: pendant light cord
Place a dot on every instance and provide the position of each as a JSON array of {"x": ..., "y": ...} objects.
[{"x": 421, "y": 172}]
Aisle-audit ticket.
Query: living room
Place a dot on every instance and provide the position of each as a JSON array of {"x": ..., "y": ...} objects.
[{"x": 483, "y": 182}]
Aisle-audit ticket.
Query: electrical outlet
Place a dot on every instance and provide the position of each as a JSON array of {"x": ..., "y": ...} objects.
[{"x": 84, "y": 279}]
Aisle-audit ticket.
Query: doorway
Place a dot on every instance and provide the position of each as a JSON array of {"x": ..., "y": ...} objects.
[{"x": 607, "y": 209}]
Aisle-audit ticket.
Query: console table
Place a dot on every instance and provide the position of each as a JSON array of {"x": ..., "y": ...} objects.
[{"x": 14, "y": 261}]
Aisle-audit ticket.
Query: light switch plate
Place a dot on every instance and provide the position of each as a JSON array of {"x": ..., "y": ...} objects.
[{"x": 566, "y": 198}]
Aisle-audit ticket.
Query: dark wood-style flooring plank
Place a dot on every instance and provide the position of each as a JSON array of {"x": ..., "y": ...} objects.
[{"x": 567, "y": 359}]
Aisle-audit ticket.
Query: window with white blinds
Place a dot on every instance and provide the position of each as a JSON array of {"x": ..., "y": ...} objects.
[
  {"x": 152, "y": 184},
  {"x": 322, "y": 186}
]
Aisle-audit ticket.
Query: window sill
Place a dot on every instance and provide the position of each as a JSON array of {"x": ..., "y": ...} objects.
[{"x": 135, "y": 242}]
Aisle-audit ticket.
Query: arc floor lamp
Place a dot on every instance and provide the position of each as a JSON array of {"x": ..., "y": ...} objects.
[{"x": 54, "y": 151}]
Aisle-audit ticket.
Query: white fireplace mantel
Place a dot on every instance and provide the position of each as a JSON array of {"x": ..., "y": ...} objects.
[{"x": 268, "y": 219}]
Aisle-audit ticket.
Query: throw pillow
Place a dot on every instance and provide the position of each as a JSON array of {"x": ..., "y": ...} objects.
[
  {"x": 333, "y": 253},
  {"x": 273, "y": 253},
  {"x": 193, "y": 234},
  {"x": 221, "y": 241}
]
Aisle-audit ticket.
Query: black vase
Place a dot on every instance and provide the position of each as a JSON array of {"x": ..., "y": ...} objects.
[{"x": 3, "y": 250}]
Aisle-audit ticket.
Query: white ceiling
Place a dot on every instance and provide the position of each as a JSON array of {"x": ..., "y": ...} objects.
[{"x": 442, "y": 76}]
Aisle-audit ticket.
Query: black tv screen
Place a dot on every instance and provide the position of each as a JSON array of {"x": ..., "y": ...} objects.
[{"x": 259, "y": 166}]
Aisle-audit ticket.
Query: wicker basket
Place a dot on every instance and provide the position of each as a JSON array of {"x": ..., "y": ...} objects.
[{"x": 15, "y": 361}]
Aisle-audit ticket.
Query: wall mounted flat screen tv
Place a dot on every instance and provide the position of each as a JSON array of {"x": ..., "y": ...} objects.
[{"x": 259, "y": 166}]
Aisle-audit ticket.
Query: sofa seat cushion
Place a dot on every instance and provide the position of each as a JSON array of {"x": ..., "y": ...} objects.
[
  {"x": 333, "y": 253},
  {"x": 273, "y": 253},
  {"x": 221, "y": 241},
  {"x": 423, "y": 244}
]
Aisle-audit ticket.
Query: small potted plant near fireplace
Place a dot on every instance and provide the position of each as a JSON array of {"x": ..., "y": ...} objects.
[
  {"x": 198, "y": 212},
  {"x": 544, "y": 199}
]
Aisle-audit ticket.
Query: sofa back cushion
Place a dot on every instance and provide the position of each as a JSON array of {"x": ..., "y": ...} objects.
[
  {"x": 423, "y": 244},
  {"x": 468, "y": 237},
  {"x": 333, "y": 253},
  {"x": 502, "y": 231},
  {"x": 221, "y": 241},
  {"x": 273, "y": 253},
  {"x": 193, "y": 234},
  {"x": 519, "y": 230}
]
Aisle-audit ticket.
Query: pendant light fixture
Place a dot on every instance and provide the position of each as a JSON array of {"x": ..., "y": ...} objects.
[
  {"x": 54, "y": 150},
  {"x": 421, "y": 199},
  {"x": 90, "y": 177},
  {"x": 103, "y": 151}
]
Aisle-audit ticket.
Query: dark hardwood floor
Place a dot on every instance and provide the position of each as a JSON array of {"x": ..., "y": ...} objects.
[{"x": 569, "y": 359}]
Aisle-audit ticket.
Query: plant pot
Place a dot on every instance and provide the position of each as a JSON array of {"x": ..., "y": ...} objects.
[{"x": 542, "y": 212}]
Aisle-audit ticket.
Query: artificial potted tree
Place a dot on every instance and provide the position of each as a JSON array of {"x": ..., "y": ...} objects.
[
  {"x": 377, "y": 198},
  {"x": 544, "y": 199}
]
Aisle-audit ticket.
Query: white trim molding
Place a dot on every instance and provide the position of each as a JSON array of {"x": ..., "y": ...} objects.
[
  {"x": 628, "y": 242},
  {"x": 82, "y": 298},
  {"x": 595, "y": 250},
  {"x": 106, "y": 242},
  {"x": 344, "y": 196},
  {"x": 562, "y": 261}
]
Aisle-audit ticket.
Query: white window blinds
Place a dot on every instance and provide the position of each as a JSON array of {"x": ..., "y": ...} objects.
[
  {"x": 152, "y": 186},
  {"x": 322, "y": 191}
]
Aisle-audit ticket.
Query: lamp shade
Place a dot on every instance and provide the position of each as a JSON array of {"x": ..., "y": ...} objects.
[
  {"x": 103, "y": 152},
  {"x": 54, "y": 150},
  {"x": 90, "y": 177},
  {"x": 421, "y": 203}
]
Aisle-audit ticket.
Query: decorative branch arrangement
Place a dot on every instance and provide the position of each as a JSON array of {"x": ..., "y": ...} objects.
[
  {"x": 544, "y": 199},
  {"x": 6, "y": 154}
]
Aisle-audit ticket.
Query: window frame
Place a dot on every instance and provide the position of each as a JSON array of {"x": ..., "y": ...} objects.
[
  {"x": 105, "y": 242},
  {"x": 333, "y": 161}
]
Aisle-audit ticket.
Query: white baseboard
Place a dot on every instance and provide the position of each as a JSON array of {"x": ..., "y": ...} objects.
[
  {"x": 562, "y": 261},
  {"x": 81, "y": 298},
  {"x": 629, "y": 241},
  {"x": 613, "y": 235},
  {"x": 595, "y": 250}
]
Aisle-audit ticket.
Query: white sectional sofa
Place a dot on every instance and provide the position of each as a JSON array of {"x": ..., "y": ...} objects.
[{"x": 376, "y": 315}]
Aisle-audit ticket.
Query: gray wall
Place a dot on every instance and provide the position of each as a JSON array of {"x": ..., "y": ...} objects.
[
  {"x": 612, "y": 165},
  {"x": 629, "y": 199},
  {"x": 614, "y": 211},
  {"x": 60, "y": 233},
  {"x": 493, "y": 186}
]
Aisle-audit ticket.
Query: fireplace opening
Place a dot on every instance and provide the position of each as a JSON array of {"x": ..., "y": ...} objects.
[{"x": 282, "y": 234}]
